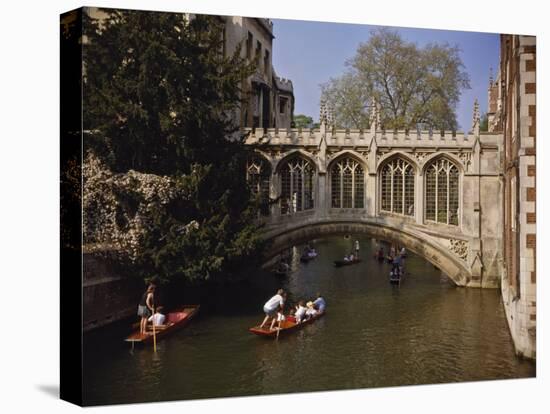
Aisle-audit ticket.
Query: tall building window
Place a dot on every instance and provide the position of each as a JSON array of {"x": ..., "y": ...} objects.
[
  {"x": 282, "y": 105},
  {"x": 347, "y": 184},
  {"x": 397, "y": 187},
  {"x": 258, "y": 173},
  {"x": 267, "y": 63},
  {"x": 442, "y": 199},
  {"x": 296, "y": 185},
  {"x": 258, "y": 53},
  {"x": 249, "y": 43}
]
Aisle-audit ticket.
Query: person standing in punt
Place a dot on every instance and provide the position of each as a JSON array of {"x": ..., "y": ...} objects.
[
  {"x": 145, "y": 307},
  {"x": 357, "y": 249},
  {"x": 272, "y": 306}
]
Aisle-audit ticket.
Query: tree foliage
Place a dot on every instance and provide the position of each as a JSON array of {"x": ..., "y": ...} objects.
[
  {"x": 411, "y": 84},
  {"x": 304, "y": 121},
  {"x": 484, "y": 122},
  {"x": 163, "y": 183}
]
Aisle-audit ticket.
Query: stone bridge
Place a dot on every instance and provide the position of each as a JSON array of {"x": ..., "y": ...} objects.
[{"x": 438, "y": 193}]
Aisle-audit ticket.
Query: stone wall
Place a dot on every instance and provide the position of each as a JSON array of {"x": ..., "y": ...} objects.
[
  {"x": 106, "y": 296},
  {"x": 518, "y": 120}
]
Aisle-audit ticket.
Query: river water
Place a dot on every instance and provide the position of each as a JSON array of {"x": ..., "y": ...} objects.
[{"x": 373, "y": 335}]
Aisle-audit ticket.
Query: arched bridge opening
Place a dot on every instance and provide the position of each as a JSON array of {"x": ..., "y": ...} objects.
[{"x": 282, "y": 239}]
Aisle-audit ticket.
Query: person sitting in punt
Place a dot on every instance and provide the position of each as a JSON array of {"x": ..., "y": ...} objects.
[
  {"x": 272, "y": 306},
  {"x": 300, "y": 311},
  {"x": 320, "y": 303},
  {"x": 403, "y": 252},
  {"x": 291, "y": 317},
  {"x": 312, "y": 252},
  {"x": 310, "y": 311},
  {"x": 158, "y": 318},
  {"x": 351, "y": 257}
]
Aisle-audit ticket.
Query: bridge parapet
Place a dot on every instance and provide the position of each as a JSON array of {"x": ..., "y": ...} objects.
[{"x": 354, "y": 138}]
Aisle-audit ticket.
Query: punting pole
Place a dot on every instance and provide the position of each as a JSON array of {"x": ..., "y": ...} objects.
[{"x": 154, "y": 333}]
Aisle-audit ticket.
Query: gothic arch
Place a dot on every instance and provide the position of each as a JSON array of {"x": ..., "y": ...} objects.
[
  {"x": 293, "y": 153},
  {"x": 397, "y": 187},
  {"x": 346, "y": 178},
  {"x": 442, "y": 176},
  {"x": 416, "y": 242},
  {"x": 384, "y": 159},
  {"x": 434, "y": 157},
  {"x": 361, "y": 159}
]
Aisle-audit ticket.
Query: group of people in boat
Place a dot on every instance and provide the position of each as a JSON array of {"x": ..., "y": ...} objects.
[
  {"x": 350, "y": 258},
  {"x": 274, "y": 309},
  {"x": 147, "y": 311},
  {"x": 395, "y": 257}
]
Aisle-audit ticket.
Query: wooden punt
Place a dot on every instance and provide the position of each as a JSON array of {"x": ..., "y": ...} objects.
[
  {"x": 175, "y": 319},
  {"x": 286, "y": 327},
  {"x": 340, "y": 263}
]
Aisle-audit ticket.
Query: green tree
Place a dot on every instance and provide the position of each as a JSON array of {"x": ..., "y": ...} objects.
[
  {"x": 162, "y": 176},
  {"x": 411, "y": 84},
  {"x": 484, "y": 122},
  {"x": 303, "y": 121},
  {"x": 348, "y": 101}
]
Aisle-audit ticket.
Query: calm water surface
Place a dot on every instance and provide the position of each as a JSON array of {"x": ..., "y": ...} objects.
[{"x": 373, "y": 335}]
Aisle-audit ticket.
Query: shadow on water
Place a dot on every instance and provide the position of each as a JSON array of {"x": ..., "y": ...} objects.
[{"x": 374, "y": 334}]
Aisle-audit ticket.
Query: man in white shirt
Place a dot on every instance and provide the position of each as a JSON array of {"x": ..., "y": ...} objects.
[
  {"x": 158, "y": 318},
  {"x": 272, "y": 306}
]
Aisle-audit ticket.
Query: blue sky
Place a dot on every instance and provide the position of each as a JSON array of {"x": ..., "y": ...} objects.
[{"x": 309, "y": 53}]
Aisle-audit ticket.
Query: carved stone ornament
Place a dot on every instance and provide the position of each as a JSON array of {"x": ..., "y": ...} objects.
[
  {"x": 460, "y": 248},
  {"x": 466, "y": 158},
  {"x": 419, "y": 156}
]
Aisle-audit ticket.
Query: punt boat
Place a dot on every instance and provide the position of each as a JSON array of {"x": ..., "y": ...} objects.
[
  {"x": 286, "y": 327},
  {"x": 175, "y": 319},
  {"x": 340, "y": 263}
]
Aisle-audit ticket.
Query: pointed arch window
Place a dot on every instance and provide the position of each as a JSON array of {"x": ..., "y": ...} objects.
[
  {"x": 442, "y": 192},
  {"x": 296, "y": 177},
  {"x": 397, "y": 187},
  {"x": 347, "y": 184},
  {"x": 258, "y": 173}
]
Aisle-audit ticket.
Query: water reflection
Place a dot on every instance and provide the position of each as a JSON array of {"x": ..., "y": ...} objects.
[{"x": 374, "y": 334}]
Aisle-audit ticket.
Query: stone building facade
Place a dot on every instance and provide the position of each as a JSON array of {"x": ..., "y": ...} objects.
[
  {"x": 512, "y": 110},
  {"x": 437, "y": 193},
  {"x": 269, "y": 100}
]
